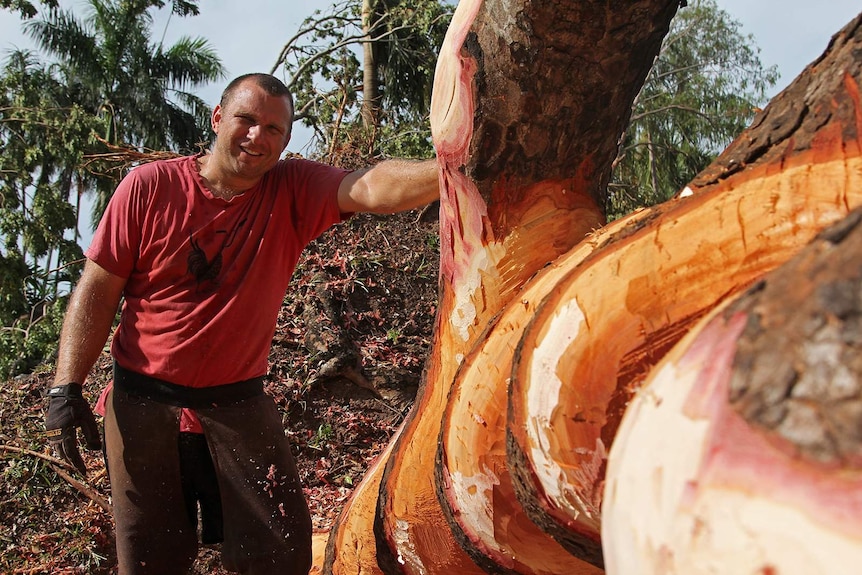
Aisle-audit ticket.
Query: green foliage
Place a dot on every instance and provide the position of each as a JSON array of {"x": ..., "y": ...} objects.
[
  {"x": 322, "y": 65},
  {"x": 31, "y": 339},
  {"x": 324, "y": 435},
  {"x": 393, "y": 335},
  {"x": 43, "y": 136},
  {"x": 110, "y": 88},
  {"x": 24, "y": 8},
  {"x": 30, "y": 9},
  {"x": 410, "y": 34},
  {"x": 702, "y": 91}
]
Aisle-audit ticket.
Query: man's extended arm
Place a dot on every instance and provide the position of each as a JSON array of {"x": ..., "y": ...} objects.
[
  {"x": 390, "y": 186},
  {"x": 86, "y": 327}
]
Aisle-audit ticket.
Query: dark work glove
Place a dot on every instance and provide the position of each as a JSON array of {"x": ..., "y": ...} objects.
[{"x": 68, "y": 410}]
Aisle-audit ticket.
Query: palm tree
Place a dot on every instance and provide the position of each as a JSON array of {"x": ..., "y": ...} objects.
[
  {"x": 43, "y": 136},
  {"x": 140, "y": 90}
]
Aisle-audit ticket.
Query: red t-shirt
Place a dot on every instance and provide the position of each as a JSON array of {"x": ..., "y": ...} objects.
[{"x": 207, "y": 277}]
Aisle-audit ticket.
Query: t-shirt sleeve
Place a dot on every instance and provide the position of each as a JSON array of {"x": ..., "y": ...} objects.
[
  {"x": 115, "y": 245},
  {"x": 316, "y": 197}
]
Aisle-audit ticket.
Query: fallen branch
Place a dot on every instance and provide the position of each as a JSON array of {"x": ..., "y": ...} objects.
[
  {"x": 45, "y": 456},
  {"x": 60, "y": 466},
  {"x": 83, "y": 489}
]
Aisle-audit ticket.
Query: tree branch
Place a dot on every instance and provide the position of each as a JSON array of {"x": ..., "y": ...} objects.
[
  {"x": 313, "y": 27},
  {"x": 353, "y": 39},
  {"x": 59, "y": 467},
  {"x": 636, "y": 117}
]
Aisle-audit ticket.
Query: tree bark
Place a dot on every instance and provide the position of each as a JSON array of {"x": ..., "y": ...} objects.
[
  {"x": 370, "y": 110},
  {"x": 530, "y": 99}
]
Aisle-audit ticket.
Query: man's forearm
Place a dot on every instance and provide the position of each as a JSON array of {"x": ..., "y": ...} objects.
[
  {"x": 391, "y": 186},
  {"x": 87, "y": 324},
  {"x": 413, "y": 183},
  {"x": 84, "y": 334}
]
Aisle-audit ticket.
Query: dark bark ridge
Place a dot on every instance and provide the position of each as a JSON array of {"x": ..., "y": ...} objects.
[
  {"x": 578, "y": 542},
  {"x": 797, "y": 373},
  {"x": 547, "y": 105}
]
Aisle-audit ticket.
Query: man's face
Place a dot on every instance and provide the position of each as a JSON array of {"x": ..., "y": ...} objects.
[{"x": 252, "y": 130}]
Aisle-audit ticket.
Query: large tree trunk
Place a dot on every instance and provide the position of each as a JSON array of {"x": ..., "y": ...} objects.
[
  {"x": 530, "y": 99},
  {"x": 532, "y": 369}
]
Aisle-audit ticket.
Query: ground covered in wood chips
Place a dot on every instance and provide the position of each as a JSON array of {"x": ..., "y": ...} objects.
[{"x": 353, "y": 337}]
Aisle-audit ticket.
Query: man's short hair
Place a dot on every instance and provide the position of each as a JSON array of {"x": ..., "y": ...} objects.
[{"x": 272, "y": 85}]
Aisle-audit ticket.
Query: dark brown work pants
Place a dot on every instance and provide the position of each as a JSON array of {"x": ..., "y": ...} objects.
[{"x": 267, "y": 527}]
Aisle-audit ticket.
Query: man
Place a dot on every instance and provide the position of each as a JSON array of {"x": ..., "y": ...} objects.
[{"x": 202, "y": 249}]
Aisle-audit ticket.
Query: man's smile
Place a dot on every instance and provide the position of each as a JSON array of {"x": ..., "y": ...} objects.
[{"x": 250, "y": 152}]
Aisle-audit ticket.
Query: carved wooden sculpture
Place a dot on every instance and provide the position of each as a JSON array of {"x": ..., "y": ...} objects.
[
  {"x": 500, "y": 466},
  {"x": 761, "y": 403},
  {"x": 529, "y": 101},
  {"x": 757, "y": 417},
  {"x": 795, "y": 171}
]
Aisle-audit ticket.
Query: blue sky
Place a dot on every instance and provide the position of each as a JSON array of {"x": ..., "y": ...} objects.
[{"x": 248, "y": 35}]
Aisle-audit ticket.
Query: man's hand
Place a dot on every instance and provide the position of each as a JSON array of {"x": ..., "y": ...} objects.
[{"x": 67, "y": 411}]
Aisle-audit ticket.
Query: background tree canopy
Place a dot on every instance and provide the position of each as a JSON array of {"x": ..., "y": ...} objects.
[
  {"x": 140, "y": 90},
  {"x": 362, "y": 73},
  {"x": 704, "y": 89},
  {"x": 43, "y": 136}
]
